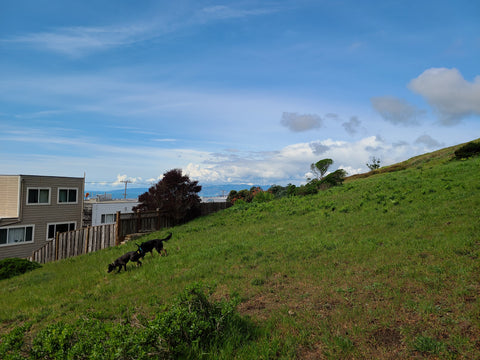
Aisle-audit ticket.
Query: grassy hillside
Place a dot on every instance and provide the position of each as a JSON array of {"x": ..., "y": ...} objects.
[{"x": 385, "y": 266}]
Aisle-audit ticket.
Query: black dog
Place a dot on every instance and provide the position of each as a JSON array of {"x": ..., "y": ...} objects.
[
  {"x": 156, "y": 244},
  {"x": 124, "y": 259}
]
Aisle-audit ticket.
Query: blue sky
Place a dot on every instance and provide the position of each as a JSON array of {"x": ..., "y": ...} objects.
[{"x": 232, "y": 91}]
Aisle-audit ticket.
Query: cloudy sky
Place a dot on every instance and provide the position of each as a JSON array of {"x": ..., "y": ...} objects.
[{"x": 232, "y": 91}]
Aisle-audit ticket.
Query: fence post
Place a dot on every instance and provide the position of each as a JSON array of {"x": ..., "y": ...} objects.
[
  {"x": 139, "y": 222},
  {"x": 56, "y": 245},
  {"x": 117, "y": 229},
  {"x": 85, "y": 236}
]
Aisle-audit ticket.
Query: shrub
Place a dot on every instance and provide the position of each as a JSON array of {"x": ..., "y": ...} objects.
[
  {"x": 278, "y": 191},
  {"x": 14, "y": 266},
  {"x": 263, "y": 196},
  {"x": 95, "y": 339},
  {"x": 335, "y": 178},
  {"x": 468, "y": 150},
  {"x": 193, "y": 324},
  {"x": 12, "y": 342},
  {"x": 310, "y": 188},
  {"x": 374, "y": 164},
  {"x": 244, "y": 195}
]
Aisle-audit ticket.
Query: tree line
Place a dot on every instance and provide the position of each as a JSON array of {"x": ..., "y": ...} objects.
[{"x": 176, "y": 197}]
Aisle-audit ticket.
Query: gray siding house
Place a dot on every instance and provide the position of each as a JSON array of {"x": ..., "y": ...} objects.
[{"x": 34, "y": 208}]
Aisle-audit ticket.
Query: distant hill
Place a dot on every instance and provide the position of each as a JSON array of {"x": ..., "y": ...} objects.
[{"x": 207, "y": 190}]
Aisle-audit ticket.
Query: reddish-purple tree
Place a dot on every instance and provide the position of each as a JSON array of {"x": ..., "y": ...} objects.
[{"x": 176, "y": 197}]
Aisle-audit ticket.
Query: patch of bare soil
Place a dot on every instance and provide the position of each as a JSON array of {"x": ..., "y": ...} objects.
[
  {"x": 311, "y": 353},
  {"x": 387, "y": 337}
]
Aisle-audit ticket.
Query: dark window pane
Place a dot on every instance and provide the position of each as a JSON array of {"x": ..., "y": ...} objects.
[
  {"x": 51, "y": 231},
  {"x": 29, "y": 233},
  {"x": 72, "y": 195},
  {"x": 3, "y": 236},
  {"x": 62, "y": 228},
  {"x": 32, "y": 196}
]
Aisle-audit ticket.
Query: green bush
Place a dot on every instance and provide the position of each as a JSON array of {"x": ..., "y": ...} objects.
[
  {"x": 310, "y": 188},
  {"x": 12, "y": 342},
  {"x": 468, "y": 150},
  {"x": 263, "y": 196},
  {"x": 95, "y": 339},
  {"x": 14, "y": 266},
  {"x": 193, "y": 324},
  {"x": 335, "y": 178}
]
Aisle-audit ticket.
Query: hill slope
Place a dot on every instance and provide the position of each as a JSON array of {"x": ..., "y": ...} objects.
[{"x": 385, "y": 266}]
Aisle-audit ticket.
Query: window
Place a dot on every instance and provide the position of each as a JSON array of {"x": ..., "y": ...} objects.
[
  {"x": 108, "y": 218},
  {"x": 67, "y": 196},
  {"x": 16, "y": 235},
  {"x": 60, "y": 227},
  {"x": 38, "y": 196}
]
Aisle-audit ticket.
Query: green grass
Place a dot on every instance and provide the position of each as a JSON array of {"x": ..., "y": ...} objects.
[{"x": 386, "y": 266}]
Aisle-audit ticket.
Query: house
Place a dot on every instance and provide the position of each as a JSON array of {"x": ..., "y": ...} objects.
[
  {"x": 103, "y": 210},
  {"x": 34, "y": 208}
]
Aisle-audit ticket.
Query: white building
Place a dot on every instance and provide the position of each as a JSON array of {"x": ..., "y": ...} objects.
[
  {"x": 210, "y": 199},
  {"x": 104, "y": 212}
]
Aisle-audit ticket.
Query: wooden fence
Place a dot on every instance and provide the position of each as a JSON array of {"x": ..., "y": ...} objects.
[
  {"x": 93, "y": 238},
  {"x": 212, "y": 207},
  {"x": 140, "y": 222},
  {"x": 76, "y": 242}
]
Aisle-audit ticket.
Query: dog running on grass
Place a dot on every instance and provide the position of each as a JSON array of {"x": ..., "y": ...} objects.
[
  {"x": 156, "y": 244},
  {"x": 124, "y": 259}
]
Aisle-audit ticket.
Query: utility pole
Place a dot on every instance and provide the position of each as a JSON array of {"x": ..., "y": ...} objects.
[{"x": 126, "y": 182}]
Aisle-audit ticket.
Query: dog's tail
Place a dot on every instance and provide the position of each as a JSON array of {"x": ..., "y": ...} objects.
[{"x": 168, "y": 237}]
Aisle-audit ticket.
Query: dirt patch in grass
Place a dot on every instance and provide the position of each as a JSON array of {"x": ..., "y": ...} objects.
[
  {"x": 255, "y": 307},
  {"x": 282, "y": 293},
  {"x": 314, "y": 352},
  {"x": 386, "y": 337}
]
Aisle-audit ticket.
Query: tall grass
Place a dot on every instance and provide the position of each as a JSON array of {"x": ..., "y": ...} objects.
[{"x": 385, "y": 266}]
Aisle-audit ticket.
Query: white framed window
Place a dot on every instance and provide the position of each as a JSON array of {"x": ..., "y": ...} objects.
[
  {"x": 108, "y": 218},
  {"x": 38, "y": 196},
  {"x": 15, "y": 235},
  {"x": 67, "y": 196},
  {"x": 53, "y": 228}
]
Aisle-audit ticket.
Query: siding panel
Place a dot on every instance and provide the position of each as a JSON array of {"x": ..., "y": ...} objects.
[{"x": 9, "y": 188}]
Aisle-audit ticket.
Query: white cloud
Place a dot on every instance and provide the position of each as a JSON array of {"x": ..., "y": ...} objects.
[
  {"x": 451, "y": 96},
  {"x": 80, "y": 40},
  {"x": 292, "y": 163},
  {"x": 396, "y": 111},
  {"x": 301, "y": 122},
  {"x": 122, "y": 179},
  {"x": 222, "y": 12}
]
